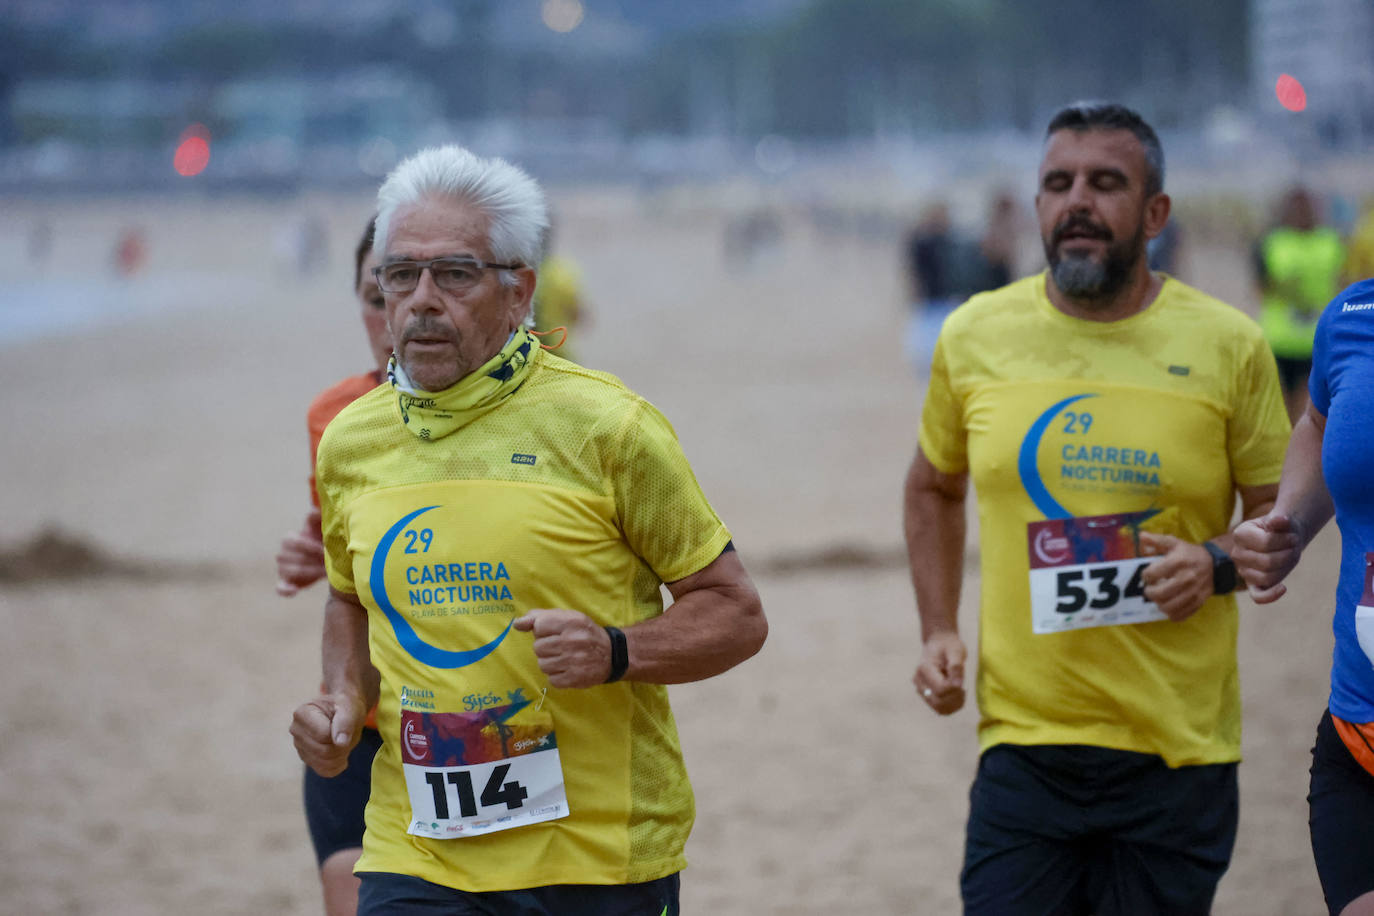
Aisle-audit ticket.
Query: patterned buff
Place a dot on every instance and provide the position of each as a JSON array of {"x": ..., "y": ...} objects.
[{"x": 433, "y": 415}]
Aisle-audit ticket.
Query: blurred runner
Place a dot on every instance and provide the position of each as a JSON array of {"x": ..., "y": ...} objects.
[
  {"x": 334, "y": 807},
  {"x": 1359, "y": 264},
  {"x": 945, "y": 267},
  {"x": 131, "y": 250},
  {"x": 934, "y": 283},
  {"x": 998, "y": 245},
  {"x": 1165, "y": 251},
  {"x": 558, "y": 300},
  {"x": 1298, "y": 265}
]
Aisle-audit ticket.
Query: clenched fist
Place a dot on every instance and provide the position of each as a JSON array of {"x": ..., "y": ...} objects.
[
  {"x": 572, "y": 649},
  {"x": 325, "y": 729}
]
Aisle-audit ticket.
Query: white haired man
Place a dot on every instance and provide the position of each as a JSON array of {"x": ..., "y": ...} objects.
[{"x": 497, "y": 524}]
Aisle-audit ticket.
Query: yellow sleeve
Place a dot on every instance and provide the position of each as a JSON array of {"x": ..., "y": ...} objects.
[
  {"x": 1257, "y": 435},
  {"x": 665, "y": 517},
  {"x": 943, "y": 438},
  {"x": 338, "y": 564}
]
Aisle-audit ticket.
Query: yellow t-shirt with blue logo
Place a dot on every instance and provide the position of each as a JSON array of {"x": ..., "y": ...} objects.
[
  {"x": 1160, "y": 415},
  {"x": 573, "y": 492}
]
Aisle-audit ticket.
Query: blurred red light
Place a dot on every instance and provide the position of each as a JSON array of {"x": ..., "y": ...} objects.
[
  {"x": 192, "y": 156},
  {"x": 1290, "y": 93}
]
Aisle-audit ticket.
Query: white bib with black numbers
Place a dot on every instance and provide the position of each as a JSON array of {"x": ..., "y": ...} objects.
[
  {"x": 1087, "y": 572},
  {"x": 473, "y": 773}
]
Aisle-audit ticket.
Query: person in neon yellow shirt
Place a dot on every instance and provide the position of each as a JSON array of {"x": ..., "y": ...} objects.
[
  {"x": 1109, "y": 418},
  {"x": 497, "y": 524},
  {"x": 1299, "y": 264},
  {"x": 558, "y": 299},
  {"x": 1359, "y": 264}
]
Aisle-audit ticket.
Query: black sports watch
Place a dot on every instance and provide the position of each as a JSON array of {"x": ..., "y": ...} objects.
[{"x": 1223, "y": 570}]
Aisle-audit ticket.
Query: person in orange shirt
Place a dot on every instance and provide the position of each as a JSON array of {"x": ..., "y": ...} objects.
[{"x": 334, "y": 807}]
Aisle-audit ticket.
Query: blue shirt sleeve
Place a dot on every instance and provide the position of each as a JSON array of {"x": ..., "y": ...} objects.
[{"x": 1318, "y": 382}]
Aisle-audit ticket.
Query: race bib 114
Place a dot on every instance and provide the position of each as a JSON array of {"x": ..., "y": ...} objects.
[{"x": 473, "y": 773}]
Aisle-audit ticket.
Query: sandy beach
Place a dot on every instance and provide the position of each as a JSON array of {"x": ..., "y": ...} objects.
[{"x": 146, "y": 766}]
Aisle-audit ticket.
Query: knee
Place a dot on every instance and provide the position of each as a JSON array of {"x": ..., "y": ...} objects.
[{"x": 339, "y": 883}]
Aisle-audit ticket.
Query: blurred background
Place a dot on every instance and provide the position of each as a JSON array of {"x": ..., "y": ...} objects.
[
  {"x": 842, "y": 116},
  {"x": 306, "y": 93},
  {"x": 748, "y": 195}
]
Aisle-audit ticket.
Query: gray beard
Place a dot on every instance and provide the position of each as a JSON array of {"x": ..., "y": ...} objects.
[
  {"x": 1089, "y": 282},
  {"x": 1082, "y": 278}
]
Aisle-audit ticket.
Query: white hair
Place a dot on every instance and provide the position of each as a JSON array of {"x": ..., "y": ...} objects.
[{"x": 518, "y": 217}]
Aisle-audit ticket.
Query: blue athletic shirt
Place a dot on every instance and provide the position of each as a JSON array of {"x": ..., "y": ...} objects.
[{"x": 1342, "y": 390}]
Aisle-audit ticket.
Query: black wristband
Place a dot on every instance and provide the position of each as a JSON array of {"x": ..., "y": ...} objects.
[
  {"x": 620, "y": 654},
  {"x": 1223, "y": 570}
]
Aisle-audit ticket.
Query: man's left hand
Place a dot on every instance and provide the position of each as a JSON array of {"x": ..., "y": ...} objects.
[
  {"x": 1181, "y": 579},
  {"x": 572, "y": 649}
]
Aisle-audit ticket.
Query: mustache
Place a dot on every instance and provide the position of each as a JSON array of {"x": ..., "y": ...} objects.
[
  {"x": 1080, "y": 225},
  {"x": 427, "y": 328}
]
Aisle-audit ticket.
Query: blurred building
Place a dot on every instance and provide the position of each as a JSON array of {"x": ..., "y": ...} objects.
[
  {"x": 339, "y": 127},
  {"x": 333, "y": 91},
  {"x": 1328, "y": 46}
]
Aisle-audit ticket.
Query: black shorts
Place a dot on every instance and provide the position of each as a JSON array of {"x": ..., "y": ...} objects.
[
  {"x": 334, "y": 807},
  {"x": 1340, "y": 811},
  {"x": 1060, "y": 830},
  {"x": 1293, "y": 373},
  {"x": 385, "y": 894}
]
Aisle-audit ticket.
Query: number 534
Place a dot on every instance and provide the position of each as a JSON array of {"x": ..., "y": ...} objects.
[{"x": 1072, "y": 588}]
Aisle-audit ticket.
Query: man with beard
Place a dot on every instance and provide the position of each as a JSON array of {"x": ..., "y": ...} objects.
[
  {"x": 497, "y": 524},
  {"x": 1095, "y": 397}
]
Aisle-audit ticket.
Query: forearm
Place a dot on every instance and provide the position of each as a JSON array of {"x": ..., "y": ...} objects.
[
  {"x": 1303, "y": 496},
  {"x": 704, "y": 633},
  {"x": 935, "y": 526},
  {"x": 347, "y": 664}
]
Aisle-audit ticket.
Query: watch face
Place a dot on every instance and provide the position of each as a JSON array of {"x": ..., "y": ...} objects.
[
  {"x": 1223, "y": 575},
  {"x": 1223, "y": 570}
]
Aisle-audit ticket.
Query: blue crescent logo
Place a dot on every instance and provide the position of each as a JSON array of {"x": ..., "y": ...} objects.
[
  {"x": 405, "y": 634},
  {"x": 1028, "y": 463}
]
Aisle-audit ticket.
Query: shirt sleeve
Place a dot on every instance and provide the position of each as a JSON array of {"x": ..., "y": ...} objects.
[
  {"x": 1319, "y": 382},
  {"x": 943, "y": 438},
  {"x": 314, "y": 429},
  {"x": 1257, "y": 436},
  {"x": 663, "y": 513},
  {"x": 338, "y": 563}
]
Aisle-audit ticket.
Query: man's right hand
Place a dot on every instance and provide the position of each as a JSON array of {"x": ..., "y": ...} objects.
[
  {"x": 1266, "y": 550},
  {"x": 325, "y": 729},
  {"x": 940, "y": 676}
]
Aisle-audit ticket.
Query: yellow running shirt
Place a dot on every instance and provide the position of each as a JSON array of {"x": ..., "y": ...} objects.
[
  {"x": 1077, "y": 435},
  {"x": 563, "y": 489}
]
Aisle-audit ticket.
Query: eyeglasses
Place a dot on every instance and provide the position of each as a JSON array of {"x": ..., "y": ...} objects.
[{"x": 453, "y": 274}]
